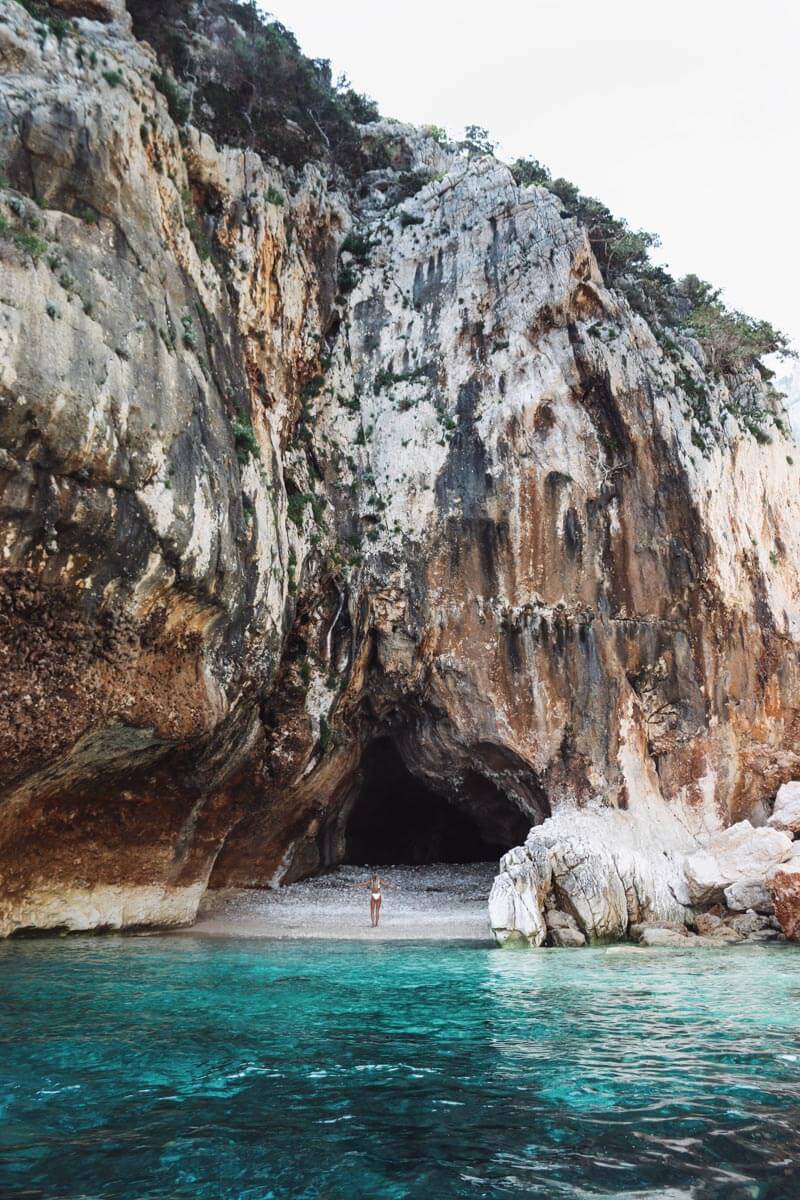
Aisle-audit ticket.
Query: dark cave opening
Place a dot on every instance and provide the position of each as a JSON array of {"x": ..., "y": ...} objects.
[{"x": 396, "y": 818}]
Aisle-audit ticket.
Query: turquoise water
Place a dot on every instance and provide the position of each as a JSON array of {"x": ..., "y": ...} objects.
[{"x": 182, "y": 1067}]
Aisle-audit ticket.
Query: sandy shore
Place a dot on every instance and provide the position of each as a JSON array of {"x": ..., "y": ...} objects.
[{"x": 432, "y": 903}]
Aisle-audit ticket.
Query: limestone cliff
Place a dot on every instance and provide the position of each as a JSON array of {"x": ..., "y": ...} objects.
[{"x": 294, "y": 461}]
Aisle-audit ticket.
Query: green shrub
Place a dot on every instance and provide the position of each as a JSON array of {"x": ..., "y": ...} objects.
[
  {"x": 729, "y": 338},
  {"x": 385, "y": 377},
  {"x": 362, "y": 109},
  {"x": 177, "y": 98},
  {"x": 408, "y": 183},
  {"x": 325, "y": 736},
  {"x": 407, "y": 218},
  {"x": 357, "y": 244},
  {"x": 31, "y": 244},
  {"x": 347, "y": 279},
  {"x": 253, "y": 85},
  {"x": 273, "y": 196},
  {"x": 296, "y": 506},
  {"x": 758, "y": 432},
  {"x": 477, "y": 142},
  {"x": 189, "y": 332},
  {"x": 113, "y": 78},
  {"x": 193, "y": 225},
  {"x": 436, "y": 132},
  {"x": 57, "y": 25},
  {"x": 529, "y": 170},
  {"x": 245, "y": 441}
]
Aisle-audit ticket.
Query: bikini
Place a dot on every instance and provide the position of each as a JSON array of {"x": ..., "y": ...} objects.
[{"x": 376, "y": 895}]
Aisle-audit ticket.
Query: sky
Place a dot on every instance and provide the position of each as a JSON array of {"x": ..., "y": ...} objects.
[{"x": 681, "y": 116}]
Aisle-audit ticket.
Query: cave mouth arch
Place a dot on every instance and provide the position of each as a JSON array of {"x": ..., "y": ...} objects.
[{"x": 397, "y": 818}]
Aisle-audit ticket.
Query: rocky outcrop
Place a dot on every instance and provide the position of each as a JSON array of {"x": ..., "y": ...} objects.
[
  {"x": 292, "y": 463},
  {"x": 784, "y": 886},
  {"x": 601, "y": 867},
  {"x": 737, "y": 855},
  {"x": 602, "y": 875}
]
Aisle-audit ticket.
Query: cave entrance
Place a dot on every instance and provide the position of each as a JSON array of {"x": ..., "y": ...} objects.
[{"x": 396, "y": 818}]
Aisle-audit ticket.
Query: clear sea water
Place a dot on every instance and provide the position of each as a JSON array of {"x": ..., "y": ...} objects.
[{"x": 180, "y": 1067}]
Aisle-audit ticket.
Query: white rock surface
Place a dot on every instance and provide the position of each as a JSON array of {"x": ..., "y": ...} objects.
[
  {"x": 786, "y": 814},
  {"x": 749, "y": 894},
  {"x": 104, "y": 906},
  {"x": 598, "y": 865},
  {"x": 735, "y": 855},
  {"x": 659, "y": 936}
]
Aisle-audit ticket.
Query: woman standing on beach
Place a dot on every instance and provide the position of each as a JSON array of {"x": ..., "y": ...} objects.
[{"x": 376, "y": 886}]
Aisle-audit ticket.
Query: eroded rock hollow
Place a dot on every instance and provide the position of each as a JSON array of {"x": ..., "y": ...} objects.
[{"x": 348, "y": 515}]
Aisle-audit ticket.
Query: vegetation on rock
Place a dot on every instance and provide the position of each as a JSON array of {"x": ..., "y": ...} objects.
[
  {"x": 243, "y": 78},
  {"x": 731, "y": 340}
]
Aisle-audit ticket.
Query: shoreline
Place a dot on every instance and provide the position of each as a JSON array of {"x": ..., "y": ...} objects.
[{"x": 439, "y": 902}]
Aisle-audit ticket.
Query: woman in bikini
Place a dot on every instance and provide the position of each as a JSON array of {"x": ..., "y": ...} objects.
[{"x": 376, "y": 886}]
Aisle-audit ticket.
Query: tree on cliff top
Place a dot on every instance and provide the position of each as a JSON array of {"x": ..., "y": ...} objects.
[
  {"x": 730, "y": 339},
  {"x": 247, "y": 82},
  {"x": 242, "y": 76}
]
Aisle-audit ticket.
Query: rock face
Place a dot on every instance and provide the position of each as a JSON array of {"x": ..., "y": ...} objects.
[
  {"x": 269, "y": 497},
  {"x": 784, "y": 885}
]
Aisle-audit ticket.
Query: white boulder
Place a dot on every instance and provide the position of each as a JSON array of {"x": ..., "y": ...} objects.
[
  {"x": 734, "y": 855},
  {"x": 659, "y": 936},
  {"x": 786, "y": 813},
  {"x": 749, "y": 894},
  {"x": 597, "y": 865},
  {"x": 516, "y": 900},
  {"x": 562, "y": 929}
]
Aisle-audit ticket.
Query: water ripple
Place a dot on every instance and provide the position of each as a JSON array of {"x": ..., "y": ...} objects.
[{"x": 170, "y": 1068}]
